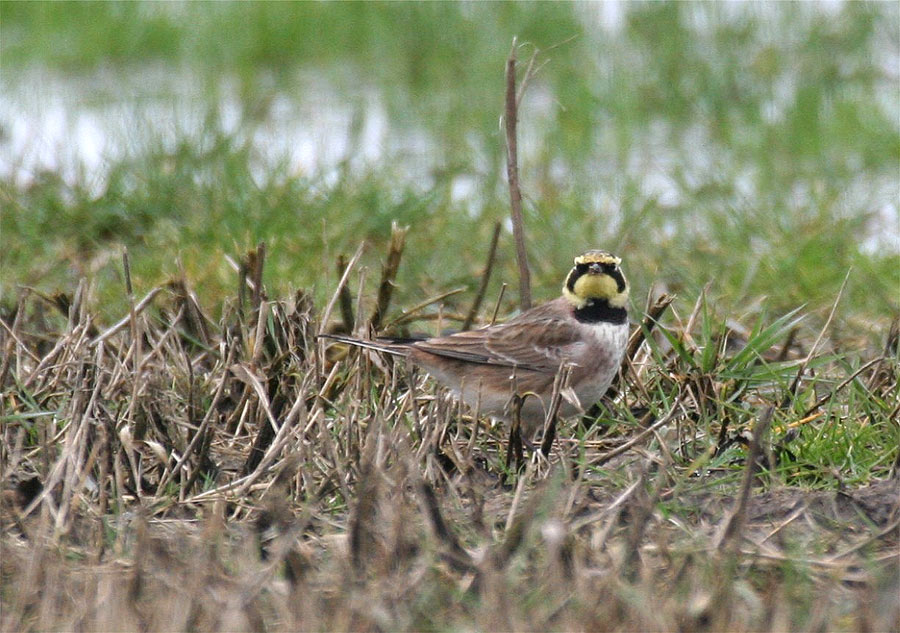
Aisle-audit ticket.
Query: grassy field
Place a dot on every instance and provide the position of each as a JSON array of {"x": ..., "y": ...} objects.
[{"x": 201, "y": 461}]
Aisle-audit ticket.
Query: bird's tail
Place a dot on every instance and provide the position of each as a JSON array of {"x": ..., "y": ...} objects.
[{"x": 397, "y": 347}]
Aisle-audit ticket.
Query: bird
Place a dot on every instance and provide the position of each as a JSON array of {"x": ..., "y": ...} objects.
[{"x": 584, "y": 332}]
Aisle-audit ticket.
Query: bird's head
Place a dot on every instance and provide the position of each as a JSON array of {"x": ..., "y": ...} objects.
[{"x": 596, "y": 277}]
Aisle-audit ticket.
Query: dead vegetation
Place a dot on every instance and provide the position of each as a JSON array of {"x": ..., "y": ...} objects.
[{"x": 170, "y": 472}]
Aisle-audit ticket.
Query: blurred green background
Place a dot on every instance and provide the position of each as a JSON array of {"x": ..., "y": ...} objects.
[{"x": 750, "y": 146}]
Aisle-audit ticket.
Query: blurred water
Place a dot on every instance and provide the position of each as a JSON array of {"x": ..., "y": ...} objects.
[{"x": 76, "y": 126}]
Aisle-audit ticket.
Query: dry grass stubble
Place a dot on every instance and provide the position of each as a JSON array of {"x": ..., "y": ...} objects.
[{"x": 172, "y": 473}]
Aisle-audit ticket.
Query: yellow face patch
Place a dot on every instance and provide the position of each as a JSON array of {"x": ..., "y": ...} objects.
[{"x": 596, "y": 287}]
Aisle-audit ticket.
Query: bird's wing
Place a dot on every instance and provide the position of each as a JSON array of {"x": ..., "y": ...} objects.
[{"x": 532, "y": 344}]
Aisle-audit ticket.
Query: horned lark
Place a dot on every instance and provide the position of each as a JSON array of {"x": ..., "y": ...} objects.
[{"x": 586, "y": 330}]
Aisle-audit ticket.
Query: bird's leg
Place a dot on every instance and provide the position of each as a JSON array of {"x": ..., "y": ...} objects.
[
  {"x": 589, "y": 419},
  {"x": 527, "y": 442},
  {"x": 514, "y": 446},
  {"x": 549, "y": 436},
  {"x": 514, "y": 449}
]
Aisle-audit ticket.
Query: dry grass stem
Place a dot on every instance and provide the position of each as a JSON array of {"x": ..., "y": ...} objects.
[
  {"x": 388, "y": 274},
  {"x": 485, "y": 279},
  {"x": 511, "y": 119}
]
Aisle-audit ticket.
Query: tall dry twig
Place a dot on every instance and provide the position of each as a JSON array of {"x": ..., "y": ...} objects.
[
  {"x": 512, "y": 175},
  {"x": 497, "y": 304},
  {"x": 733, "y": 526},
  {"x": 485, "y": 278},
  {"x": 326, "y": 314},
  {"x": 345, "y": 299},
  {"x": 651, "y": 318},
  {"x": 257, "y": 260},
  {"x": 136, "y": 342},
  {"x": 388, "y": 274}
]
